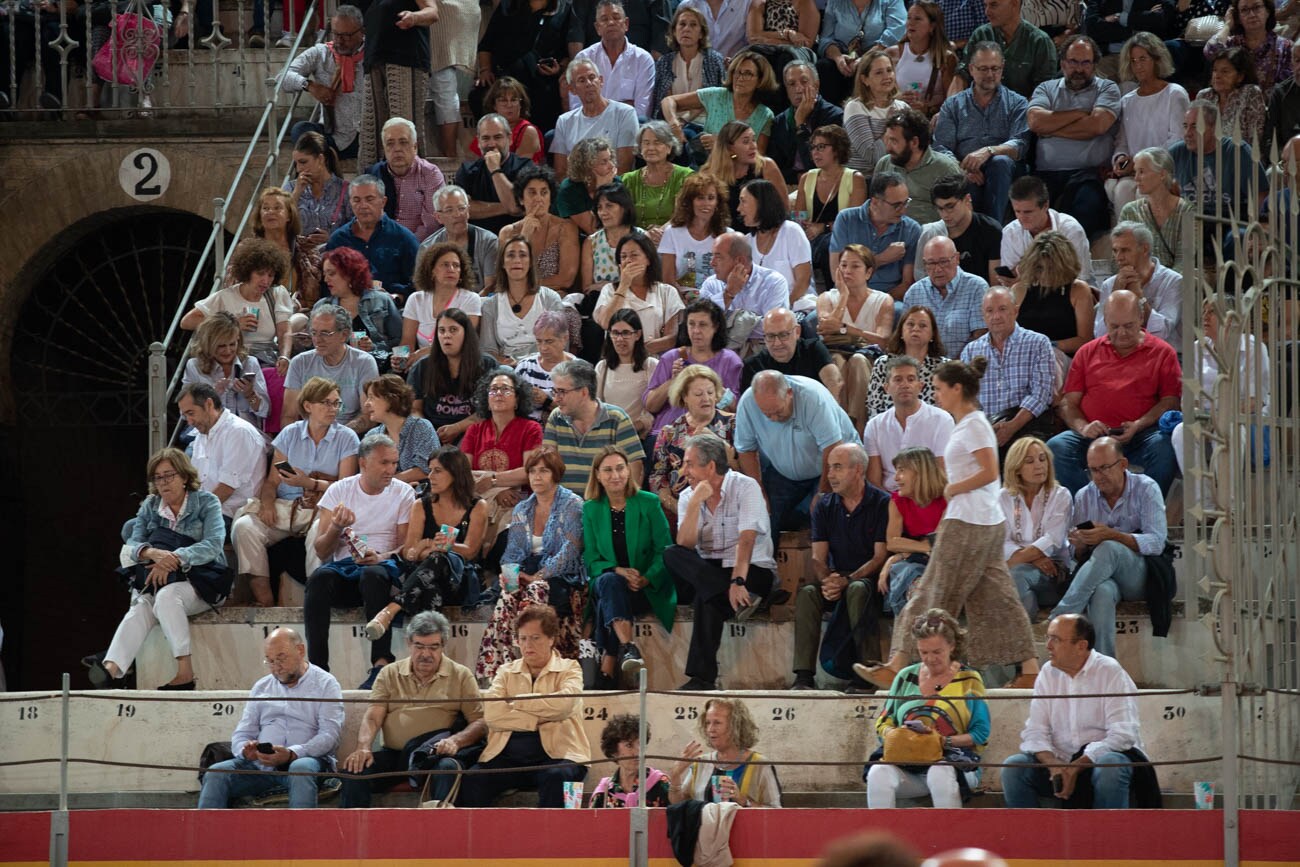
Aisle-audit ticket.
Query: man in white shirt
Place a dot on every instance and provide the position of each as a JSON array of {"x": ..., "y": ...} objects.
[
  {"x": 628, "y": 70},
  {"x": 1089, "y": 739},
  {"x": 229, "y": 453},
  {"x": 1029, "y": 202},
  {"x": 595, "y": 117},
  {"x": 911, "y": 422},
  {"x": 1160, "y": 288},
  {"x": 723, "y": 550},
  {"x": 359, "y": 529}
]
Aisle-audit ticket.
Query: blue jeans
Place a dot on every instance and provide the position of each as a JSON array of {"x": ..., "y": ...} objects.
[
  {"x": 991, "y": 199},
  {"x": 614, "y": 600},
  {"x": 1149, "y": 449},
  {"x": 1034, "y": 586},
  {"x": 901, "y": 577},
  {"x": 1114, "y": 572},
  {"x": 1024, "y": 784},
  {"x": 219, "y": 789},
  {"x": 789, "y": 500}
]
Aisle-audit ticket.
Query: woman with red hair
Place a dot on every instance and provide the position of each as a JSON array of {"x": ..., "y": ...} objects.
[{"x": 376, "y": 323}]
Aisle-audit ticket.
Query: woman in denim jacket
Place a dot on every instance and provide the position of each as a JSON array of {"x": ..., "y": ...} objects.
[
  {"x": 374, "y": 314},
  {"x": 175, "y": 502},
  {"x": 544, "y": 545}
]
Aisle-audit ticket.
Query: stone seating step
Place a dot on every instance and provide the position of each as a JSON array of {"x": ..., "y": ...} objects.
[
  {"x": 171, "y": 729},
  {"x": 755, "y": 655}
]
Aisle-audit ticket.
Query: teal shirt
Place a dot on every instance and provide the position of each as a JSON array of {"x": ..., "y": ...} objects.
[{"x": 720, "y": 111}]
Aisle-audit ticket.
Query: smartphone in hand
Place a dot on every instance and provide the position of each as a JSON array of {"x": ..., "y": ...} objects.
[{"x": 265, "y": 748}]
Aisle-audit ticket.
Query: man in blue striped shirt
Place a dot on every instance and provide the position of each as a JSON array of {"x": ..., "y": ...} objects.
[
  {"x": 1016, "y": 390},
  {"x": 1119, "y": 519}
]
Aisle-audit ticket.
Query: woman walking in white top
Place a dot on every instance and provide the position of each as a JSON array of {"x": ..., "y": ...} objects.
[{"x": 967, "y": 566}]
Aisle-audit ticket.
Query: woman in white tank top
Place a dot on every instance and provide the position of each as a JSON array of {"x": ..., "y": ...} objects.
[{"x": 924, "y": 61}]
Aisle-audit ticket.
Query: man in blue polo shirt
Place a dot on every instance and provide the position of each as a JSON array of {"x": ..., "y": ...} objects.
[
  {"x": 786, "y": 427},
  {"x": 882, "y": 225},
  {"x": 388, "y": 246},
  {"x": 848, "y": 549}
]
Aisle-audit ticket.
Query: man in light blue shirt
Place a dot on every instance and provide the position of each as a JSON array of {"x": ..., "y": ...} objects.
[
  {"x": 1074, "y": 117},
  {"x": 303, "y": 734},
  {"x": 738, "y": 284},
  {"x": 882, "y": 225},
  {"x": 953, "y": 296},
  {"x": 1127, "y": 517},
  {"x": 786, "y": 427}
]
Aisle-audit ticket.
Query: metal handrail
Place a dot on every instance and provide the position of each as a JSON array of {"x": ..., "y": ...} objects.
[{"x": 216, "y": 240}]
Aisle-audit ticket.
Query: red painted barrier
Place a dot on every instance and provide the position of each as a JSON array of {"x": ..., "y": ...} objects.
[{"x": 578, "y": 837}]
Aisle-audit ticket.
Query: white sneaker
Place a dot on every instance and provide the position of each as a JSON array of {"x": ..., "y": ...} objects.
[{"x": 285, "y": 41}]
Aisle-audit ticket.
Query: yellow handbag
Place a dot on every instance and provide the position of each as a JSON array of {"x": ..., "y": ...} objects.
[{"x": 905, "y": 746}]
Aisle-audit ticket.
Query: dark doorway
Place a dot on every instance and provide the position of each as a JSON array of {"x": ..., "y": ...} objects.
[{"x": 102, "y": 293}]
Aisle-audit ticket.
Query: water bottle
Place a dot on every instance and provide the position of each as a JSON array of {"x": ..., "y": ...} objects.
[{"x": 687, "y": 280}]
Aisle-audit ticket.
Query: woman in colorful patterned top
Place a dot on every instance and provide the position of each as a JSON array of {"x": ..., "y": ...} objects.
[{"x": 941, "y": 691}]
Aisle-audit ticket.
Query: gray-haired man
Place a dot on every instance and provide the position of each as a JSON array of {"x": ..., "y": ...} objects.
[
  {"x": 388, "y": 246},
  {"x": 346, "y": 366},
  {"x": 360, "y": 526},
  {"x": 427, "y": 674}
]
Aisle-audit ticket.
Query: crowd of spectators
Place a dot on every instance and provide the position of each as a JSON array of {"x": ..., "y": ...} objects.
[{"x": 923, "y": 301}]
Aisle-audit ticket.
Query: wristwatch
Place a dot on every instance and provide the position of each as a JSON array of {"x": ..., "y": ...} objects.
[
  {"x": 844, "y": 328},
  {"x": 738, "y": 582}
]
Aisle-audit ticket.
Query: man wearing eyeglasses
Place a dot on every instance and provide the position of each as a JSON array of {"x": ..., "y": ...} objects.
[
  {"x": 784, "y": 350},
  {"x": 411, "y": 178},
  {"x": 296, "y": 732},
  {"x": 986, "y": 128},
  {"x": 1029, "y": 53},
  {"x": 331, "y": 72},
  {"x": 952, "y": 295},
  {"x": 1119, "y": 520},
  {"x": 453, "y": 719},
  {"x": 1074, "y": 117},
  {"x": 977, "y": 236},
  {"x": 453, "y": 208},
  {"x": 331, "y": 357},
  {"x": 1119, "y": 385},
  {"x": 1090, "y": 739},
  {"x": 881, "y": 225}
]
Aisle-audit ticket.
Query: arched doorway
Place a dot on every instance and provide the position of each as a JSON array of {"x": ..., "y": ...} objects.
[{"x": 99, "y": 296}]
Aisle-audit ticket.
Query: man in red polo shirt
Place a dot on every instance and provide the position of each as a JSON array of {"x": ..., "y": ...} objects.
[{"x": 1119, "y": 385}]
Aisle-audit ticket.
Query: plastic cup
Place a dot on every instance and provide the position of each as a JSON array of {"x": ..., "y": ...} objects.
[
  {"x": 358, "y": 336},
  {"x": 572, "y": 796},
  {"x": 1203, "y": 792},
  {"x": 717, "y": 788},
  {"x": 510, "y": 572},
  {"x": 402, "y": 351},
  {"x": 253, "y": 311}
]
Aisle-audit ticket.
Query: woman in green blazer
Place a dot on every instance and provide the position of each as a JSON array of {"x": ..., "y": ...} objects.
[{"x": 624, "y": 536}]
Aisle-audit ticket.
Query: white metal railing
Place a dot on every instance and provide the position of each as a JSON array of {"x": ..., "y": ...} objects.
[
  {"x": 1240, "y": 476},
  {"x": 126, "y": 61},
  {"x": 267, "y": 137}
]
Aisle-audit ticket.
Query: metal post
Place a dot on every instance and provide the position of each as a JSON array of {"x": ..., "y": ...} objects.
[
  {"x": 219, "y": 227},
  {"x": 59, "y": 818},
  {"x": 1231, "y": 841},
  {"x": 638, "y": 849},
  {"x": 157, "y": 397}
]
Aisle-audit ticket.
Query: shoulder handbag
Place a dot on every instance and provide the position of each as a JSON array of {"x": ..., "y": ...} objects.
[
  {"x": 211, "y": 582},
  {"x": 914, "y": 748}
]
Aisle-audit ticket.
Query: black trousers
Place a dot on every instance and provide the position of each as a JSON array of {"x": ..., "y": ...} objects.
[
  {"x": 356, "y": 793},
  {"x": 327, "y": 589},
  {"x": 712, "y": 582},
  {"x": 522, "y": 750}
]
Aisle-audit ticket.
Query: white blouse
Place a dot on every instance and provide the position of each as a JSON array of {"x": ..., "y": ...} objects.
[{"x": 1043, "y": 524}]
